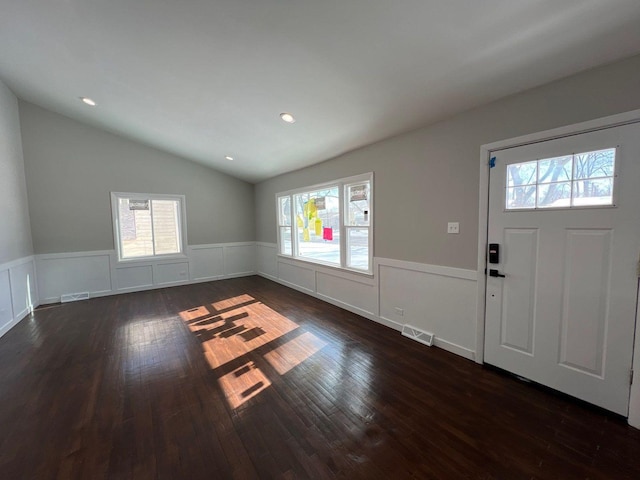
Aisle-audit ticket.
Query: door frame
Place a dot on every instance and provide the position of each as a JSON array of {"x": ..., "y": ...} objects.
[{"x": 486, "y": 151}]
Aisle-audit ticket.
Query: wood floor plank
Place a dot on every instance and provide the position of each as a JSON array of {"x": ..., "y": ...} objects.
[{"x": 245, "y": 379}]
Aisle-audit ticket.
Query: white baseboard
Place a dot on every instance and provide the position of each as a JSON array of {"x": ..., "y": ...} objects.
[
  {"x": 363, "y": 313},
  {"x": 270, "y": 277},
  {"x": 8, "y": 326},
  {"x": 453, "y": 348}
]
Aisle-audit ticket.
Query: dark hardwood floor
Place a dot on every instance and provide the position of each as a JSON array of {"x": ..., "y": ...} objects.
[{"x": 245, "y": 378}]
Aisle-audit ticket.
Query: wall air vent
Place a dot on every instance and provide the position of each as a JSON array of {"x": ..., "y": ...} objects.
[
  {"x": 418, "y": 335},
  {"x": 74, "y": 297}
]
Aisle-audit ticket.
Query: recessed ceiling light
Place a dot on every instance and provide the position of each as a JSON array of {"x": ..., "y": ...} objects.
[
  {"x": 88, "y": 101},
  {"x": 228, "y": 157},
  {"x": 287, "y": 117}
]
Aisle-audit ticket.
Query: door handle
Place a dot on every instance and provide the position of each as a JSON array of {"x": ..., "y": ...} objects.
[{"x": 495, "y": 273}]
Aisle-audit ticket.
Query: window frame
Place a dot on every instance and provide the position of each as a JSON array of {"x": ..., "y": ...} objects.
[
  {"x": 182, "y": 225},
  {"x": 342, "y": 184}
]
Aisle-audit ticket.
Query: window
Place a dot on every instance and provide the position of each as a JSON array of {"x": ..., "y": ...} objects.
[
  {"x": 329, "y": 224},
  {"x": 148, "y": 225},
  {"x": 576, "y": 180}
]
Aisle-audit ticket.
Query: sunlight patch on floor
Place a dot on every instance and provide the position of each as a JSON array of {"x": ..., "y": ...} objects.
[
  {"x": 232, "y": 302},
  {"x": 231, "y": 328},
  {"x": 194, "y": 313},
  {"x": 236, "y": 332},
  {"x": 243, "y": 383},
  {"x": 294, "y": 352}
]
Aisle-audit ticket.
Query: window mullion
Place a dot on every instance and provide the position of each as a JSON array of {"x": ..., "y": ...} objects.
[
  {"x": 178, "y": 222},
  {"x": 153, "y": 239},
  {"x": 573, "y": 177},
  {"x": 282, "y": 225},
  {"x": 537, "y": 183},
  {"x": 342, "y": 207},
  {"x": 294, "y": 224},
  {"x": 118, "y": 224}
]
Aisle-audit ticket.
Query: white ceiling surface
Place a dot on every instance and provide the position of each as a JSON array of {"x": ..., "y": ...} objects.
[{"x": 208, "y": 78}]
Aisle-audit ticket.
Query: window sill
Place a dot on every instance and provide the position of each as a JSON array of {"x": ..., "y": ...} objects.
[
  {"x": 331, "y": 266},
  {"x": 154, "y": 259}
]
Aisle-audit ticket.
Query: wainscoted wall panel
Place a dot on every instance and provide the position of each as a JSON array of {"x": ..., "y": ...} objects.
[
  {"x": 23, "y": 288},
  {"x": 298, "y": 276},
  {"x": 434, "y": 301},
  {"x": 239, "y": 259},
  {"x": 133, "y": 277},
  {"x": 18, "y": 291},
  {"x": 441, "y": 300},
  {"x": 267, "y": 260},
  {"x": 360, "y": 295},
  {"x": 99, "y": 273},
  {"x": 6, "y": 308},
  {"x": 206, "y": 262},
  {"x": 168, "y": 273},
  {"x": 63, "y": 273}
]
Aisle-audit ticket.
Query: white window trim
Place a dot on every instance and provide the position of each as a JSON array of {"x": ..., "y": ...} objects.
[
  {"x": 341, "y": 183},
  {"x": 182, "y": 225}
]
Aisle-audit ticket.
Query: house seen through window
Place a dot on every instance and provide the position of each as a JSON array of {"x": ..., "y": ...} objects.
[
  {"x": 148, "y": 225},
  {"x": 329, "y": 224},
  {"x": 574, "y": 180}
]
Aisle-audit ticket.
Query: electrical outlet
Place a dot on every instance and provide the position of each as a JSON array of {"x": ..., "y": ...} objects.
[
  {"x": 453, "y": 227},
  {"x": 399, "y": 311}
]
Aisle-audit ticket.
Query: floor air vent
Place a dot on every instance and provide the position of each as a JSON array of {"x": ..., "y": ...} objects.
[
  {"x": 418, "y": 335},
  {"x": 74, "y": 297}
]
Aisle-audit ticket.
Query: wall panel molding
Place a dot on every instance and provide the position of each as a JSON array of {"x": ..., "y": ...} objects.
[
  {"x": 18, "y": 291},
  {"x": 74, "y": 272},
  {"x": 436, "y": 298},
  {"x": 99, "y": 273}
]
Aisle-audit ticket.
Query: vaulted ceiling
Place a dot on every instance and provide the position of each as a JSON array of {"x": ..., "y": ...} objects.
[{"x": 206, "y": 79}]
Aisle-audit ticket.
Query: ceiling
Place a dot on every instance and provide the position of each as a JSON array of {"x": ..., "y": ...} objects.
[{"x": 204, "y": 79}]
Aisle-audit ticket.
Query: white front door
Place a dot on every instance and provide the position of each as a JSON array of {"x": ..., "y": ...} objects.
[{"x": 565, "y": 214}]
